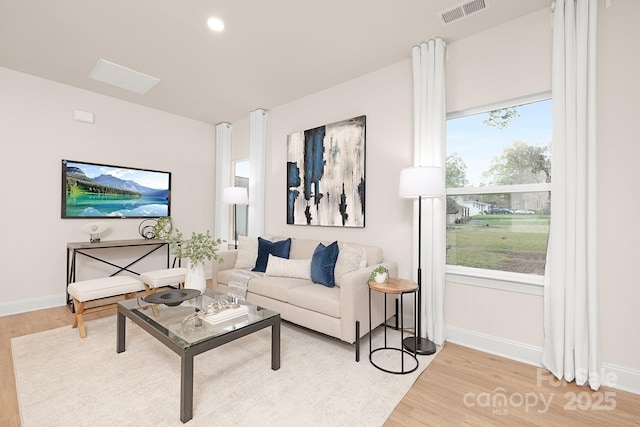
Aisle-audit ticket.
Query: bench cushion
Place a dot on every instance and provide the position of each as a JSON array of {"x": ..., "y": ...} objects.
[
  {"x": 166, "y": 277},
  {"x": 87, "y": 290}
]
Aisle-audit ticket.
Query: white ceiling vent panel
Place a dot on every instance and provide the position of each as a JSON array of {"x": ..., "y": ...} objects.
[
  {"x": 463, "y": 10},
  {"x": 123, "y": 77}
]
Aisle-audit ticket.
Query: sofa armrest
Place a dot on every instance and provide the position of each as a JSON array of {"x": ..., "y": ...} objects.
[
  {"x": 228, "y": 261},
  {"x": 354, "y": 301}
]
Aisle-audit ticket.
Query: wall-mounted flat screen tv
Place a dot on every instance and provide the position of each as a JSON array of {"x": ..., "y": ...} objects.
[{"x": 93, "y": 190}]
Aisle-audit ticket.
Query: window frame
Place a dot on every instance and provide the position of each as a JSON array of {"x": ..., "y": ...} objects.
[{"x": 495, "y": 279}]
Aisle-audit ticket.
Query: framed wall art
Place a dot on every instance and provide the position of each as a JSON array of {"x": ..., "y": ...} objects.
[{"x": 326, "y": 175}]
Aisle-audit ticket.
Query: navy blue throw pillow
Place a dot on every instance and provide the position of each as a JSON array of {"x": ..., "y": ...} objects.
[
  {"x": 323, "y": 262},
  {"x": 266, "y": 247}
]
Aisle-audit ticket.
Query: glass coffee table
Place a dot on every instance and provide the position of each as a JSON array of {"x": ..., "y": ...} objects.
[{"x": 195, "y": 336}]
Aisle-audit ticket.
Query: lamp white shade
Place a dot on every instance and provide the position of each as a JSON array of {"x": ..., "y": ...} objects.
[
  {"x": 421, "y": 181},
  {"x": 235, "y": 196}
]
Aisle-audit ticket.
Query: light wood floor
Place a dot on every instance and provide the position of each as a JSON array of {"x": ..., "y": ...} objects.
[{"x": 461, "y": 387}]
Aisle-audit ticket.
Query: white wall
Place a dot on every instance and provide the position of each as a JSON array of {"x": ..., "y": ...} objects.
[
  {"x": 506, "y": 62},
  {"x": 618, "y": 154},
  {"x": 387, "y": 104},
  {"x": 37, "y": 130}
]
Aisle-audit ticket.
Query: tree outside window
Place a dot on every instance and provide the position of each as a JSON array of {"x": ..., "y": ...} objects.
[{"x": 498, "y": 175}]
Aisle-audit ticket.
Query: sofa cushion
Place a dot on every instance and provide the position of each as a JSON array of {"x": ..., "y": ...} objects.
[
  {"x": 282, "y": 267},
  {"x": 323, "y": 263},
  {"x": 349, "y": 259},
  {"x": 317, "y": 298},
  {"x": 275, "y": 287},
  {"x": 266, "y": 247}
]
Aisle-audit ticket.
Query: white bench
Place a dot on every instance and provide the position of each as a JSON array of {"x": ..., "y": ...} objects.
[
  {"x": 153, "y": 280},
  {"x": 89, "y": 290}
]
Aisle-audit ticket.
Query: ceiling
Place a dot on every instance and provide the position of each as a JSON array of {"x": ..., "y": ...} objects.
[{"x": 270, "y": 53}]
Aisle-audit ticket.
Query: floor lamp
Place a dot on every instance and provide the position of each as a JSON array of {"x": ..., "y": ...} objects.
[
  {"x": 235, "y": 196},
  {"x": 420, "y": 182}
]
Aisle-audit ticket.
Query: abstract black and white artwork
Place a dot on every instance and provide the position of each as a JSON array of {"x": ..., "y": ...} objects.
[{"x": 326, "y": 175}]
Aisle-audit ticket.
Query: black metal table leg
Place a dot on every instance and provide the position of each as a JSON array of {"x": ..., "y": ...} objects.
[
  {"x": 121, "y": 327},
  {"x": 275, "y": 346},
  {"x": 186, "y": 387}
]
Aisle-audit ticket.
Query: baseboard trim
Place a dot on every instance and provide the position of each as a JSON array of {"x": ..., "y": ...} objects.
[
  {"x": 31, "y": 304},
  {"x": 618, "y": 377},
  {"x": 624, "y": 379},
  {"x": 514, "y": 350}
]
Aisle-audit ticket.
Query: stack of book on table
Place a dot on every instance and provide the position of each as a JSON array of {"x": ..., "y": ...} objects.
[{"x": 227, "y": 315}]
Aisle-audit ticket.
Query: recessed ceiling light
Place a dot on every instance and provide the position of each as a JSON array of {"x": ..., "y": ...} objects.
[{"x": 215, "y": 24}]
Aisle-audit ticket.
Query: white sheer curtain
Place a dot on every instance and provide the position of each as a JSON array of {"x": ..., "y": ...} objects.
[
  {"x": 429, "y": 111},
  {"x": 571, "y": 341},
  {"x": 223, "y": 179},
  {"x": 257, "y": 171}
]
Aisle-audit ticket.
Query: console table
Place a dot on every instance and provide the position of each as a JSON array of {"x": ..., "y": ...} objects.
[{"x": 83, "y": 248}]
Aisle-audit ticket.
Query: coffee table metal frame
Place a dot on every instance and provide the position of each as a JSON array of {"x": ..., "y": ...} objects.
[{"x": 188, "y": 351}]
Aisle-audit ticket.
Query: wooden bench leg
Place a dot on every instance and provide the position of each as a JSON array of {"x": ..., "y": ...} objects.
[
  {"x": 78, "y": 321},
  {"x": 150, "y": 291},
  {"x": 130, "y": 295}
]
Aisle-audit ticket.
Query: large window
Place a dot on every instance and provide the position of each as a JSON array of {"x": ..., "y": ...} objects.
[{"x": 498, "y": 175}]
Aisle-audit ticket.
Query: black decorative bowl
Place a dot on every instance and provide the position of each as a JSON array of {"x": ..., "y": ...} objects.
[{"x": 172, "y": 297}]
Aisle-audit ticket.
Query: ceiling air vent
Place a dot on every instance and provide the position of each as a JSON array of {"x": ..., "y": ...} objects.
[
  {"x": 463, "y": 10},
  {"x": 123, "y": 77}
]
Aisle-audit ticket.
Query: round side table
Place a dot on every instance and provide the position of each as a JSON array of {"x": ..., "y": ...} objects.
[{"x": 396, "y": 287}]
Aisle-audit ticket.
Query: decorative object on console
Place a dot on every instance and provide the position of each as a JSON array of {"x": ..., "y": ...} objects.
[
  {"x": 326, "y": 175},
  {"x": 380, "y": 274},
  {"x": 235, "y": 196},
  {"x": 146, "y": 227},
  {"x": 418, "y": 182},
  {"x": 198, "y": 248},
  {"x": 95, "y": 230}
]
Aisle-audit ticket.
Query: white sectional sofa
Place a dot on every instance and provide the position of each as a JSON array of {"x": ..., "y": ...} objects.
[{"x": 341, "y": 311}]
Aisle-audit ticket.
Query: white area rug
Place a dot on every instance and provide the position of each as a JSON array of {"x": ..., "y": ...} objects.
[{"x": 63, "y": 380}]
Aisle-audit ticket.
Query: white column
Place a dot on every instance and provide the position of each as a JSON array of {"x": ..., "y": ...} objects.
[
  {"x": 257, "y": 171},
  {"x": 223, "y": 180}
]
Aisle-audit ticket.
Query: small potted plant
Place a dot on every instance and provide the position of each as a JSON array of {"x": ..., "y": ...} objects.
[
  {"x": 380, "y": 274},
  {"x": 199, "y": 248}
]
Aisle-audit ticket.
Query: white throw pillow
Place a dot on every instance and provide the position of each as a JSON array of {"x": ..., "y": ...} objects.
[
  {"x": 247, "y": 252},
  {"x": 349, "y": 259},
  {"x": 282, "y": 267}
]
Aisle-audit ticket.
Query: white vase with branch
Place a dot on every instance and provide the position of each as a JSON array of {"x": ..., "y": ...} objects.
[{"x": 198, "y": 249}]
